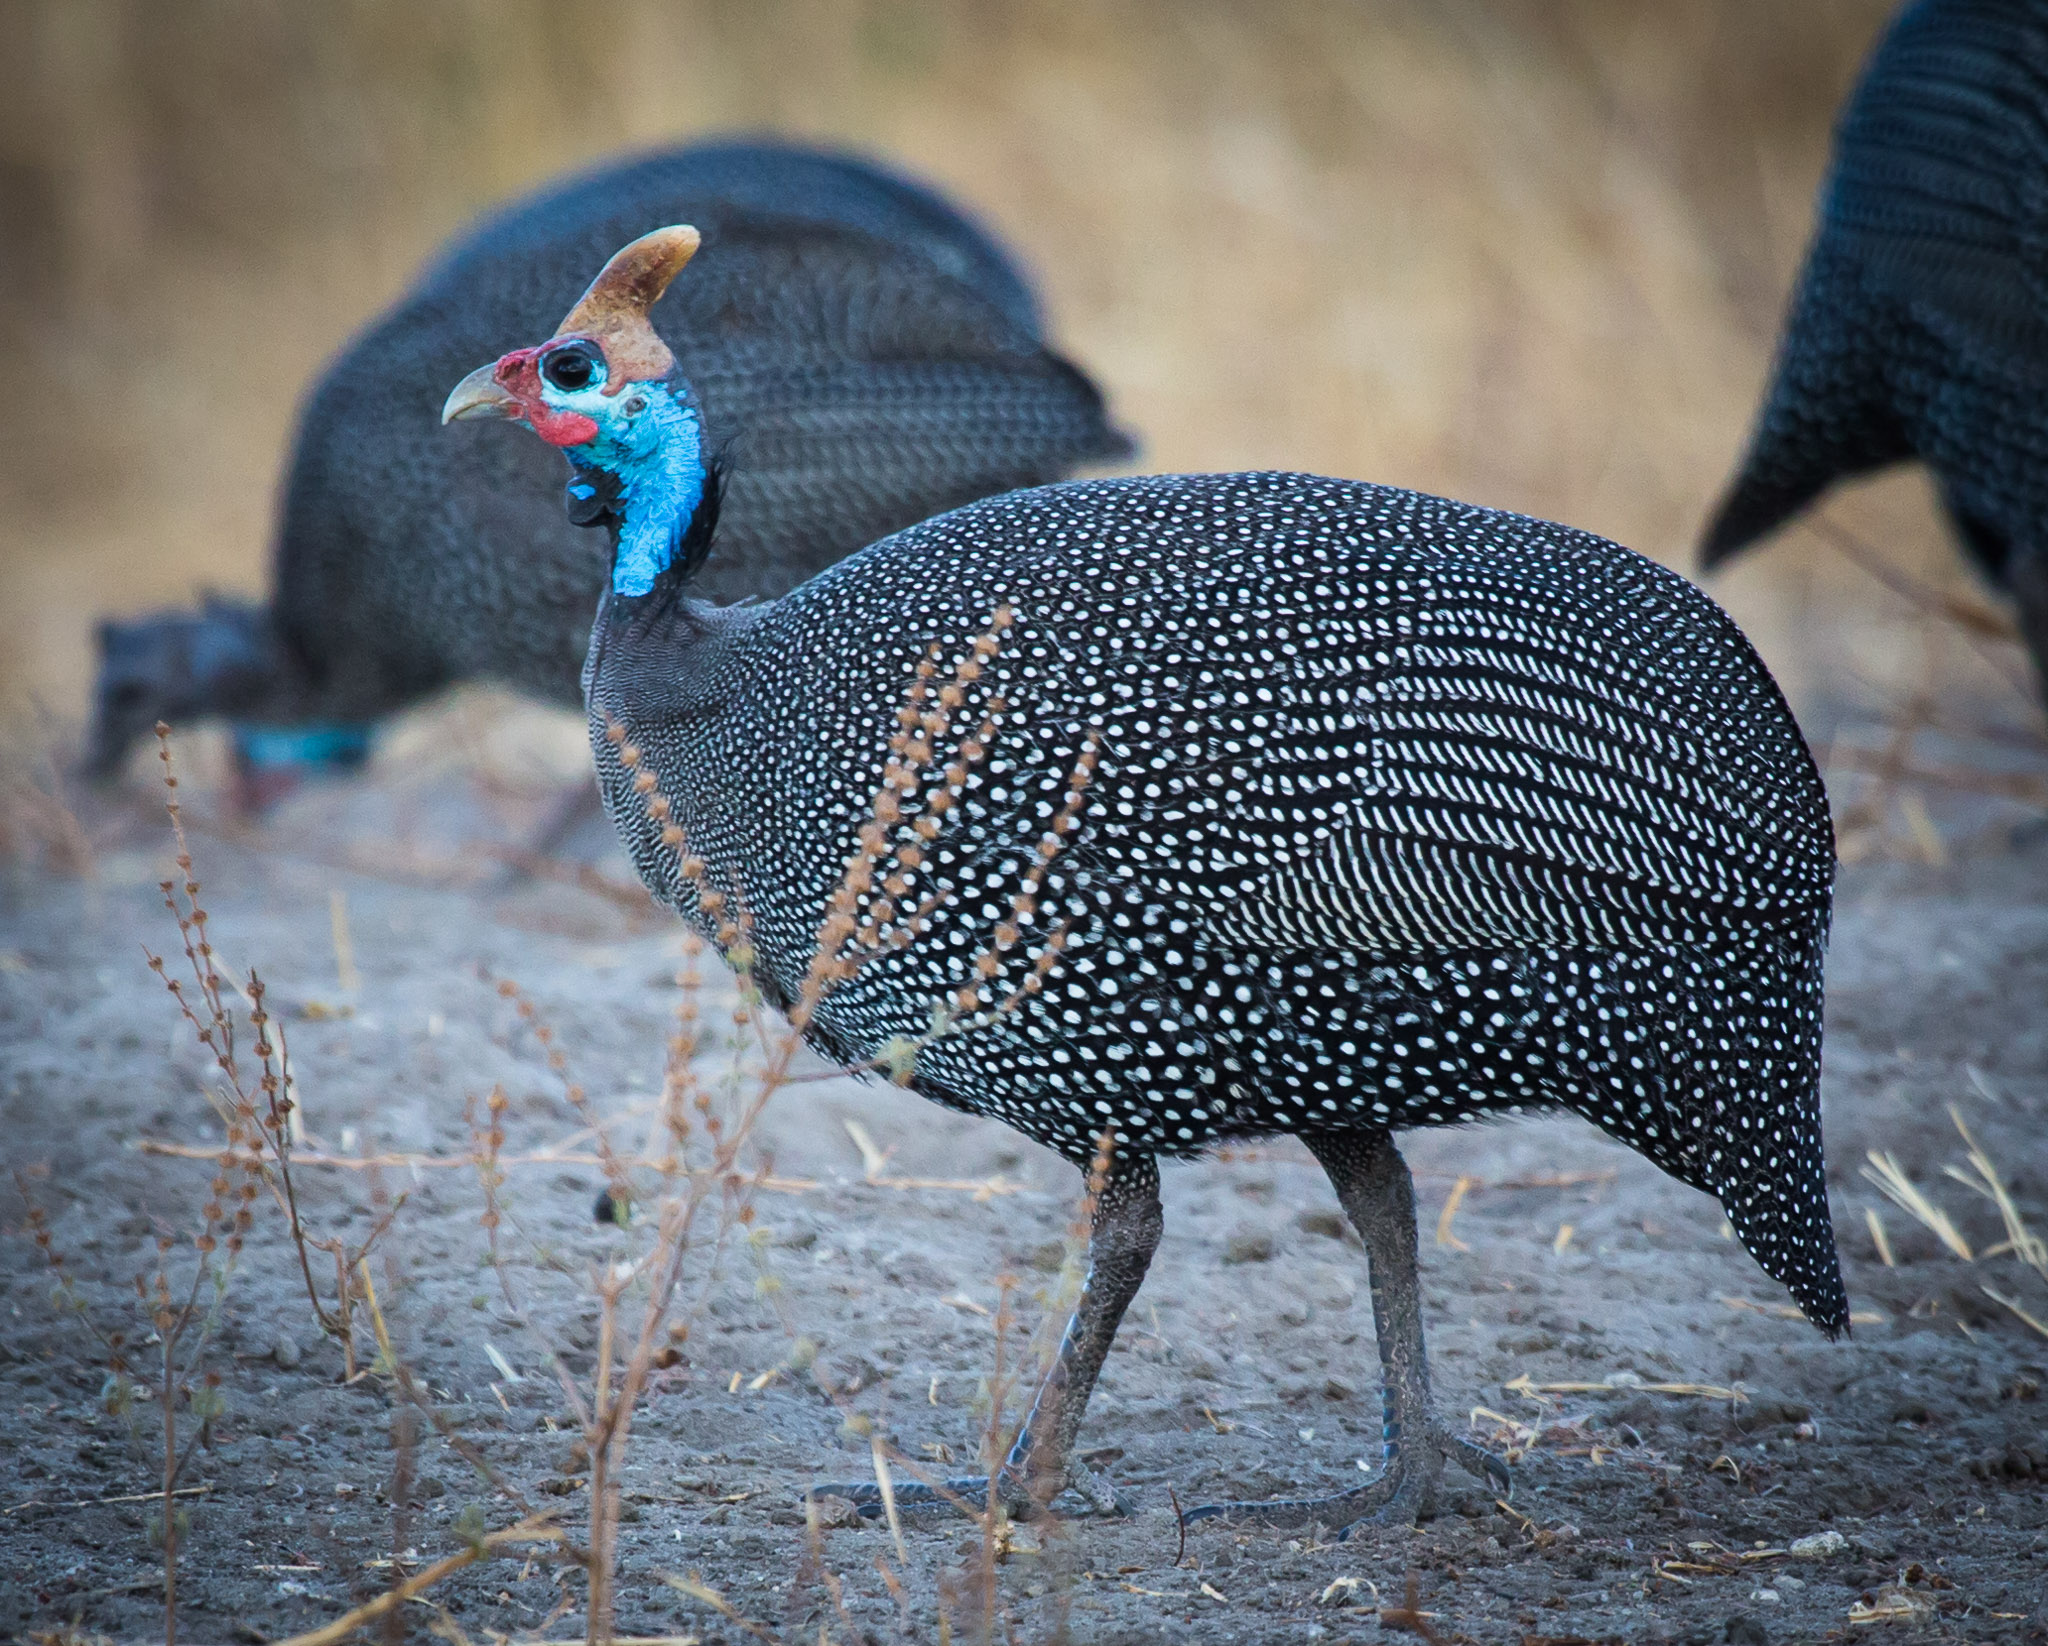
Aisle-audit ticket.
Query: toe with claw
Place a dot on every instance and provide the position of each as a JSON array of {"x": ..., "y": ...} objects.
[{"x": 1400, "y": 1494}]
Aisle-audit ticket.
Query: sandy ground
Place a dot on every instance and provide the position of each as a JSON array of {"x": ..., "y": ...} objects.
[{"x": 1246, "y": 1368}]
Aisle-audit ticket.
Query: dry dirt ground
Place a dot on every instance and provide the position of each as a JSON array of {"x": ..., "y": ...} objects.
[{"x": 1247, "y": 1367}]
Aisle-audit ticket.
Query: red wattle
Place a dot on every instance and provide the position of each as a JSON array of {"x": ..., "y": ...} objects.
[{"x": 561, "y": 428}]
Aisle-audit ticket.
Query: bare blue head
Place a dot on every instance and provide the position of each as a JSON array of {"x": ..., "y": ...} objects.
[{"x": 605, "y": 389}]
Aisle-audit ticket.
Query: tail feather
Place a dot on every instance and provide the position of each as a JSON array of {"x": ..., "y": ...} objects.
[
  {"x": 1829, "y": 413},
  {"x": 1764, "y": 1152}
]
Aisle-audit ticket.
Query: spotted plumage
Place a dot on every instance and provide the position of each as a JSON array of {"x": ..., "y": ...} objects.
[
  {"x": 1246, "y": 804},
  {"x": 1920, "y": 324},
  {"x": 1404, "y": 811}
]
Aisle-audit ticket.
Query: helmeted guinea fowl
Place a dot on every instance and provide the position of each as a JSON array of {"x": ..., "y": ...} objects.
[
  {"x": 1311, "y": 806},
  {"x": 865, "y": 354},
  {"x": 1920, "y": 323}
]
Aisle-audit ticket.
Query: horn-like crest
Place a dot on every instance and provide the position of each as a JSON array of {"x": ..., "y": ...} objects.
[{"x": 613, "y": 312}]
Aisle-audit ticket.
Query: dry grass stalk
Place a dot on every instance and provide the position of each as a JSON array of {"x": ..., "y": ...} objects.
[
  {"x": 1933, "y": 849},
  {"x": 1045, "y": 1479},
  {"x": 1707, "y": 1391},
  {"x": 1861, "y": 826},
  {"x": 1879, "y": 1238},
  {"x": 257, "y": 1107},
  {"x": 182, "y": 1319},
  {"x": 1409, "y": 1615},
  {"x": 1891, "y": 1604},
  {"x": 616, "y": 1175},
  {"x": 1894, "y": 766},
  {"x": 1452, "y": 1202},
  {"x": 37, "y": 824},
  {"x": 630, "y": 900},
  {"x": 534, "y": 1157},
  {"x": 887, "y": 1487},
  {"x": 874, "y": 1161},
  {"x": 345, "y": 973},
  {"x": 1893, "y": 1183},
  {"x": 524, "y": 1535},
  {"x": 2012, "y": 1304},
  {"x": 2021, "y": 1241},
  {"x": 700, "y": 1131},
  {"x": 812, "y": 1572},
  {"x": 981, "y": 1188},
  {"x": 697, "y": 1589},
  {"x": 1981, "y": 1084},
  {"x": 182, "y": 1316}
]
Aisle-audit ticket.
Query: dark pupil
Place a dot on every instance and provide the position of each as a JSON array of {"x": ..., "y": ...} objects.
[{"x": 570, "y": 369}]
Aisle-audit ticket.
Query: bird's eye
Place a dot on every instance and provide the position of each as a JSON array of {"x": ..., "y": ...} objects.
[{"x": 570, "y": 369}]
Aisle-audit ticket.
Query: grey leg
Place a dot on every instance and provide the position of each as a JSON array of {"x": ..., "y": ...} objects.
[
  {"x": 1378, "y": 1196},
  {"x": 1041, "y": 1464}
]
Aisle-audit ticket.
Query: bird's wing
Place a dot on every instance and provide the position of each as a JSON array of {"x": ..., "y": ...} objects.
[{"x": 1490, "y": 781}]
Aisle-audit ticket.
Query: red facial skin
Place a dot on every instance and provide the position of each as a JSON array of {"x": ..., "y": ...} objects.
[{"x": 518, "y": 374}]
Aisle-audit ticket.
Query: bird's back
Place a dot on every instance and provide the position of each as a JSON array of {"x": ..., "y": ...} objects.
[
  {"x": 1920, "y": 325},
  {"x": 865, "y": 354},
  {"x": 1428, "y": 689}
]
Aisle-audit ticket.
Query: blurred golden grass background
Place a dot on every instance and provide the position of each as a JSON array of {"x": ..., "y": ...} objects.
[{"x": 1532, "y": 253}]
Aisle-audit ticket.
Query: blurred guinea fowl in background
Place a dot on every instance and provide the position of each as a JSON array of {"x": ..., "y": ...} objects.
[
  {"x": 1920, "y": 324},
  {"x": 866, "y": 355}
]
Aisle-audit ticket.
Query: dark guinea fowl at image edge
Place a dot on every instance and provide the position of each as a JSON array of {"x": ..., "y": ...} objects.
[
  {"x": 1919, "y": 326},
  {"x": 866, "y": 355},
  {"x": 1396, "y": 811}
]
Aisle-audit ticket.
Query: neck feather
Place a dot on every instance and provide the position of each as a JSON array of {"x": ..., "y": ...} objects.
[{"x": 660, "y": 466}]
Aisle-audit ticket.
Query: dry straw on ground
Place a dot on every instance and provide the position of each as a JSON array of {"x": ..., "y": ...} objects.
[{"x": 1979, "y": 1174}]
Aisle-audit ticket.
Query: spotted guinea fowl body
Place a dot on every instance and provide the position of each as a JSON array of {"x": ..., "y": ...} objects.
[
  {"x": 1920, "y": 324},
  {"x": 864, "y": 355},
  {"x": 1401, "y": 811}
]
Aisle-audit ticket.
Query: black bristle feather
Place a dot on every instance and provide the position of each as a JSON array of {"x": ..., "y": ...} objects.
[
  {"x": 662, "y": 611},
  {"x": 693, "y": 545}
]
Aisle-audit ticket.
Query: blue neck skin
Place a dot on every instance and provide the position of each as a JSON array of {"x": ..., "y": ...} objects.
[{"x": 658, "y": 457}]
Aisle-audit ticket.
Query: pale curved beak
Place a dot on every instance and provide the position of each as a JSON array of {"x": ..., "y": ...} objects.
[{"x": 480, "y": 394}]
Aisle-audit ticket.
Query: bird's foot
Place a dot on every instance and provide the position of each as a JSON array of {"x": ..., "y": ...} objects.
[
  {"x": 969, "y": 1494},
  {"x": 1398, "y": 1495}
]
